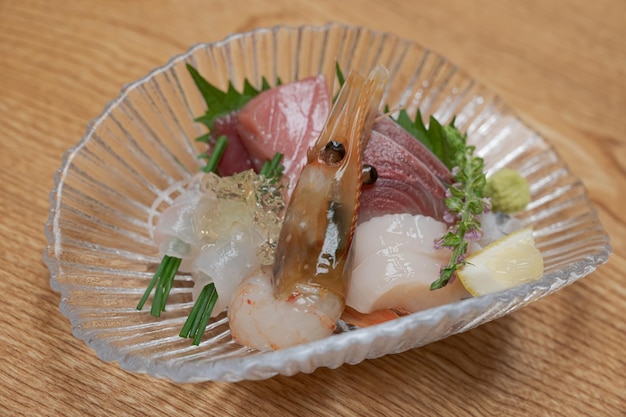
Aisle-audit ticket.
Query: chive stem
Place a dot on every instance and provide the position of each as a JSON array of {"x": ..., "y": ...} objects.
[
  {"x": 163, "y": 279},
  {"x": 216, "y": 155},
  {"x": 340, "y": 78},
  {"x": 275, "y": 167},
  {"x": 154, "y": 280},
  {"x": 265, "y": 168},
  {"x": 272, "y": 169},
  {"x": 196, "y": 322}
]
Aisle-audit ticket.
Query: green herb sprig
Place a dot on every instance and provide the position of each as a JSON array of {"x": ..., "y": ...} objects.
[
  {"x": 445, "y": 141},
  {"x": 465, "y": 202},
  {"x": 464, "y": 197},
  {"x": 219, "y": 103}
]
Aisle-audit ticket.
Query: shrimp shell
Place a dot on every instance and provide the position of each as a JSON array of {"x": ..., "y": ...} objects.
[
  {"x": 317, "y": 232},
  {"x": 304, "y": 297}
]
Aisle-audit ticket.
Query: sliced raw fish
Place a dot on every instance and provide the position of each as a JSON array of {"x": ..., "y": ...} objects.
[
  {"x": 236, "y": 157},
  {"x": 387, "y": 127},
  {"x": 395, "y": 261},
  {"x": 405, "y": 183},
  {"x": 289, "y": 118},
  {"x": 286, "y": 119}
]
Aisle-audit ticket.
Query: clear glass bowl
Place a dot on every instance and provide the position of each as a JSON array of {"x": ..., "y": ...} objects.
[{"x": 101, "y": 256}]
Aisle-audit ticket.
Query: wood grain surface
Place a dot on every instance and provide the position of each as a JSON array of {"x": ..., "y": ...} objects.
[{"x": 561, "y": 64}]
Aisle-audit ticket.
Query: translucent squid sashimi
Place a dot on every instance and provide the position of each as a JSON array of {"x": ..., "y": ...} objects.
[
  {"x": 223, "y": 228},
  {"x": 174, "y": 233}
]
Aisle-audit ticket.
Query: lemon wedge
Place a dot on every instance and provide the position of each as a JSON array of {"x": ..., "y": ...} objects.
[{"x": 508, "y": 262}]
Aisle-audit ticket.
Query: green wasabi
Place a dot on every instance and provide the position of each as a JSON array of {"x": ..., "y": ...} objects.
[{"x": 508, "y": 190}]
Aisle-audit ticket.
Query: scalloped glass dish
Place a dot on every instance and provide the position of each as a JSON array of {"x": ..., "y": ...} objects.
[{"x": 101, "y": 256}]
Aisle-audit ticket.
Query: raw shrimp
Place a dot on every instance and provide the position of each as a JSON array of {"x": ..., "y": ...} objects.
[{"x": 304, "y": 296}]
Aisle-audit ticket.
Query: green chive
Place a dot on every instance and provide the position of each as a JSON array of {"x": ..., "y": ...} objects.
[
  {"x": 163, "y": 279},
  {"x": 196, "y": 322},
  {"x": 216, "y": 155}
]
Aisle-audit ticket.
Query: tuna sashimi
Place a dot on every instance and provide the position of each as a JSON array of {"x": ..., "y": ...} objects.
[
  {"x": 289, "y": 118},
  {"x": 286, "y": 119},
  {"x": 236, "y": 157},
  {"x": 391, "y": 129},
  {"x": 397, "y": 195},
  {"x": 405, "y": 183}
]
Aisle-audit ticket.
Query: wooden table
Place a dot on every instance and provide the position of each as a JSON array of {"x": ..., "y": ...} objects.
[{"x": 560, "y": 64}]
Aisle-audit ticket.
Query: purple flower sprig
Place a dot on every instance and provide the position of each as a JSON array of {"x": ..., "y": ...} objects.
[{"x": 464, "y": 202}]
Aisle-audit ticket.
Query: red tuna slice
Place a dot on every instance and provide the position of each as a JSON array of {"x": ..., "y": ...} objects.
[
  {"x": 390, "y": 128},
  {"x": 286, "y": 119},
  {"x": 405, "y": 183},
  {"x": 236, "y": 157}
]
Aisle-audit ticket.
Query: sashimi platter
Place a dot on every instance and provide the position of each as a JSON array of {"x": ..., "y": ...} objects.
[{"x": 295, "y": 198}]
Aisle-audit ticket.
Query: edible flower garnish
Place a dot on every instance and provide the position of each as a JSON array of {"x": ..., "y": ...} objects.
[{"x": 464, "y": 197}]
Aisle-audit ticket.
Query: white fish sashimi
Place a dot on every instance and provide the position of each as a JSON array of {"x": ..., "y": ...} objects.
[{"x": 395, "y": 261}]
